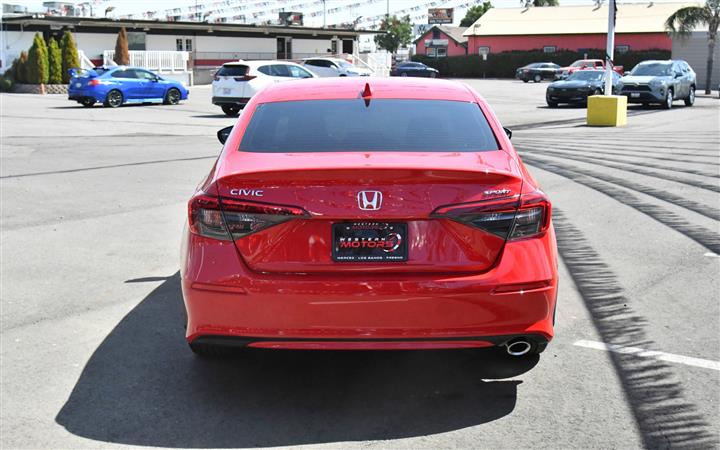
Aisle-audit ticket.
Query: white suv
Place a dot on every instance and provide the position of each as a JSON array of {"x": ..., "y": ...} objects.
[
  {"x": 236, "y": 82},
  {"x": 334, "y": 67}
]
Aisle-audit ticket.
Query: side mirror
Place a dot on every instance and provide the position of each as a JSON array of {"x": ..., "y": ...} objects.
[
  {"x": 223, "y": 134},
  {"x": 508, "y": 131}
]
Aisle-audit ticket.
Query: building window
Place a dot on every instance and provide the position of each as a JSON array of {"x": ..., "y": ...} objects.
[
  {"x": 178, "y": 45},
  {"x": 188, "y": 45},
  {"x": 136, "y": 40},
  {"x": 436, "y": 33},
  {"x": 441, "y": 52},
  {"x": 429, "y": 51},
  {"x": 622, "y": 48},
  {"x": 549, "y": 49}
]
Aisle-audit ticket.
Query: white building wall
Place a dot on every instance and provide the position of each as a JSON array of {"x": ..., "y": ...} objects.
[
  {"x": 15, "y": 42},
  {"x": 94, "y": 44},
  {"x": 162, "y": 42},
  {"x": 212, "y": 43},
  {"x": 305, "y": 46}
]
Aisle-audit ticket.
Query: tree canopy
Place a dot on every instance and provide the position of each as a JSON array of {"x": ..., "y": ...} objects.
[
  {"x": 474, "y": 13},
  {"x": 398, "y": 33}
]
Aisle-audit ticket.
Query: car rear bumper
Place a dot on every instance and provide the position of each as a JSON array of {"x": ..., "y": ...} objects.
[
  {"x": 82, "y": 94},
  {"x": 226, "y": 300},
  {"x": 232, "y": 101}
]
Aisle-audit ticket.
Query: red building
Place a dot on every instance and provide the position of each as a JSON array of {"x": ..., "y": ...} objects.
[
  {"x": 441, "y": 41},
  {"x": 638, "y": 27}
]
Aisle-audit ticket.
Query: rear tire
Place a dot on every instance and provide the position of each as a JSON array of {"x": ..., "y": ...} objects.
[
  {"x": 433, "y": 74},
  {"x": 690, "y": 100},
  {"x": 537, "y": 78},
  {"x": 552, "y": 104},
  {"x": 231, "y": 110},
  {"x": 172, "y": 97},
  {"x": 403, "y": 74},
  {"x": 524, "y": 80},
  {"x": 114, "y": 99},
  {"x": 87, "y": 102}
]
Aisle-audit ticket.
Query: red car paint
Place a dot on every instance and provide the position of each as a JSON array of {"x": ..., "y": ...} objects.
[{"x": 279, "y": 287}]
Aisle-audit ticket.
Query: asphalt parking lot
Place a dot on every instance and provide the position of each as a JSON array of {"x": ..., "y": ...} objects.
[{"x": 92, "y": 205}]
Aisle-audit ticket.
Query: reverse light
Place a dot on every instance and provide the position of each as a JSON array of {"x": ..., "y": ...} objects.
[
  {"x": 228, "y": 219},
  {"x": 510, "y": 218}
]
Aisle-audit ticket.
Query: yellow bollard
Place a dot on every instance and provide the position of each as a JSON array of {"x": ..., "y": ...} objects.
[{"x": 607, "y": 111}]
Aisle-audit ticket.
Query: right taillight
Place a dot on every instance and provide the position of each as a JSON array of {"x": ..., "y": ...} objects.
[
  {"x": 228, "y": 219},
  {"x": 245, "y": 78},
  {"x": 511, "y": 218}
]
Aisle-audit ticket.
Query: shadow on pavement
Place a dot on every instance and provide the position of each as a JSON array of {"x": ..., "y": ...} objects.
[
  {"x": 664, "y": 417},
  {"x": 143, "y": 386}
]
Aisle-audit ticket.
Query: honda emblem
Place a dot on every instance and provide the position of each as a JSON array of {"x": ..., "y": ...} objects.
[{"x": 369, "y": 200}]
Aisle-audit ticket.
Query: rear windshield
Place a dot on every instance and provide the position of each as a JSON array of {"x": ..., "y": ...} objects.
[
  {"x": 383, "y": 125},
  {"x": 232, "y": 71}
]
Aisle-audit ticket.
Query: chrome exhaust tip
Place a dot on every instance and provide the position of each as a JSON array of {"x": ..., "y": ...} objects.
[{"x": 518, "y": 347}]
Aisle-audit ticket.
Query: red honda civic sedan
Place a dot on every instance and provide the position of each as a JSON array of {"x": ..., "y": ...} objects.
[{"x": 356, "y": 213}]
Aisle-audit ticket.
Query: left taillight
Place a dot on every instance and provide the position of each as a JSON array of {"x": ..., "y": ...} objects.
[
  {"x": 228, "y": 219},
  {"x": 94, "y": 82},
  {"x": 512, "y": 218}
]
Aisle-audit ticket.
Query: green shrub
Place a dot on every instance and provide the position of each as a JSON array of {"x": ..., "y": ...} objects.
[
  {"x": 18, "y": 69},
  {"x": 55, "y": 60},
  {"x": 504, "y": 64},
  {"x": 70, "y": 58},
  {"x": 6, "y": 83},
  {"x": 38, "y": 68}
]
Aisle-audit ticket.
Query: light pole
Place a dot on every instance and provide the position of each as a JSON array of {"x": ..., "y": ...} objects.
[{"x": 610, "y": 51}]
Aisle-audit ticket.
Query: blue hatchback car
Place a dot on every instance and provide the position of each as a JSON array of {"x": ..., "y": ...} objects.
[{"x": 115, "y": 86}]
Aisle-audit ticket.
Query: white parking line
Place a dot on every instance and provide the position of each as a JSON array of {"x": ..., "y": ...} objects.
[{"x": 669, "y": 357}]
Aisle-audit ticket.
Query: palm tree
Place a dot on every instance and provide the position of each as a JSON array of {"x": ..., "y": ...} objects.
[
  {"x": 685, "y": 20},
  {"x": 529, "y": 3}
]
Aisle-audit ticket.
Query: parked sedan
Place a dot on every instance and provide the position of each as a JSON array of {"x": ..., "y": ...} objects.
[
  {"x": 660, "y": 82},
  {"x": 577, "y": 87},
  {"x": 373, "y": 214},
  {"x": 537, "y": 72},
  {"x": 118, "y": 85},
  {"x": 235, "y": 83},
  {"x": 413, "y": 69},
  {"x": 334, "y": 67}
]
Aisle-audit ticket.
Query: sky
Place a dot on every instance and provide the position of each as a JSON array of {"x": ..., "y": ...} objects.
[{"x": 378, "y": 7}]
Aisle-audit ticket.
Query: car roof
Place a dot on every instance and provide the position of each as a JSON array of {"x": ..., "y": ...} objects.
[
  {"x": 257, "y": 63},
  {"x": 351, "y": 87}
]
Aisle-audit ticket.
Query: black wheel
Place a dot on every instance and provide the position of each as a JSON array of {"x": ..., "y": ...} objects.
[
  {"x": 210, "y": 351},
  {"x": 172, "y": 97},
  {"x": 231, "y": 110},
  {"x": 87, "y": 102},
  {"x": 525, "y": 81},
  {"x": 597, "y": 92},
  {"x": 537, "y": 78},
  {"x": 342, "y": 75},
  {"x": 551, "y": 103},
  {"x": 433, "y": 74},
  {"x": 114, "y": 98},
  {"x": 690, "y": 100},
  {"x": 404, "y": 74},
  {"x": 668, "y": 99}
]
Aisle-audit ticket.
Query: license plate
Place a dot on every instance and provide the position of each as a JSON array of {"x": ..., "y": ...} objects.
[
  {"x": 370, "y": 242},
  {"x": 226, "y": 91},
  {"x": 634, "y": 94}
]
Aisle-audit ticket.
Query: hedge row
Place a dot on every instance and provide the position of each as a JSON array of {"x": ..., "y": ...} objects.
[{"x": 504, "y": 64}]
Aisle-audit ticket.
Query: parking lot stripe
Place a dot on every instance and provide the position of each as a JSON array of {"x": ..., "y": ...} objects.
[{"x": 668, "y": 357}]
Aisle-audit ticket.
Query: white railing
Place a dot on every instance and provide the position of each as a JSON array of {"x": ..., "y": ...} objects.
[
  {"x": 379, "y": 63},
  {"x": 156, "y": 60},
  {"x": 85, "y": 62}
]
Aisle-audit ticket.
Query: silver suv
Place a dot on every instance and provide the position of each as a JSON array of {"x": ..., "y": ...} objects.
[{"x": 659, "y": 82}]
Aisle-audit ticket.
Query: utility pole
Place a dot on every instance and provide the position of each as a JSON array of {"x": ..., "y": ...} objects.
[
  {"x": 387, "y": 8},
  {"x": 324, "y": 15},
  {"x": 610, "y": 51}
]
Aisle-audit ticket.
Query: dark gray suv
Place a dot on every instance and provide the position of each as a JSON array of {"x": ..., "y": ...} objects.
[{"x": 659, "y": 82}]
